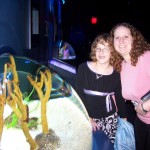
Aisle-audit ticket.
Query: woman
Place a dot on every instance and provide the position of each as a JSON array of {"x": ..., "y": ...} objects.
[
  {"x": 131, "y": 57},
  {"x": 99, "y": 87}
]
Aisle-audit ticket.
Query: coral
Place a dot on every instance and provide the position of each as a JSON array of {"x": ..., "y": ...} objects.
[
  {"x": 2, "y": 103},
  {"x": 15, "y": 101},
  {"x": 12, "y": 95},
  {"x": 47, "y": 139}
]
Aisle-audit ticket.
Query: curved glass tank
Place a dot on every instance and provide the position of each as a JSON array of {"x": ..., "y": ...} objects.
[{"x": 39, "y": 109}]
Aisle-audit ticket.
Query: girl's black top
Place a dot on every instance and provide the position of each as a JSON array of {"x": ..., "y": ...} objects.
[{"x": 95, "y": 104}]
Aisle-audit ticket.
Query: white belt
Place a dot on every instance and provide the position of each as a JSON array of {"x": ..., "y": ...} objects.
[{"x": 108, "y": 100}]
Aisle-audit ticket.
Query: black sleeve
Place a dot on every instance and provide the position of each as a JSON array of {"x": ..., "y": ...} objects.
[
  {"x": 80, "y": 81},
  {"x": 120, "y": 101}
]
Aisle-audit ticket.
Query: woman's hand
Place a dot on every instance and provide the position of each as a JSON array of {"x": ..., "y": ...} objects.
[
  {"x": 139, "y": 109},
  {"x": 94, "y": 125}
]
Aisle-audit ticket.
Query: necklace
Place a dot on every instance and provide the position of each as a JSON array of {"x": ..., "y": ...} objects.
[{"x": 98, "y": 76}]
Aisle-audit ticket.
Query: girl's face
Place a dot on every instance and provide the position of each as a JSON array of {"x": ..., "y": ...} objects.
[
  {"x": 102, "y": 53},
  {"x": 123, "y": 40}
]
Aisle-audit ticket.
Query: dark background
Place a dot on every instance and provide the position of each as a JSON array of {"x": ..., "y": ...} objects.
[{"x": 78, "y": 30}]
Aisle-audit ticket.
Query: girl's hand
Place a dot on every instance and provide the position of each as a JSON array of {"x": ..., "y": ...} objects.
[{"x": 94, "y": 125}]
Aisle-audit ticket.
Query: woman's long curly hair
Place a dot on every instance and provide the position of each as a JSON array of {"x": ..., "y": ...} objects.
[
  {"x": 139, "y": 46},
  {"x": 103, "y": 39}
]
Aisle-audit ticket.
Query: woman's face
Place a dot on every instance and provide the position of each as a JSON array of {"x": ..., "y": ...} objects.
[
  {"x": 102, "y": 53},
  {"x": 123, "y": 40}
]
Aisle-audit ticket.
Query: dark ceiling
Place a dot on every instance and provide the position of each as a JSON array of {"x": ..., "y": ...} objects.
[{"x": 109, "y": 12}]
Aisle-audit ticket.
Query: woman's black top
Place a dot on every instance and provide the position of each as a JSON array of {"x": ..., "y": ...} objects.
[{"x": 96, "y": 105}]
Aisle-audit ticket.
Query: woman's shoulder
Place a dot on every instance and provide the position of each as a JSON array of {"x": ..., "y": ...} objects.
[
  {"x": 145, "y": 57},
  {"x": 116, "y": 75},
  {"x": 82, "y": 68},
  {"x": 147, "y": 53},
  {"x": 116, "y": 72},
  {"x": 83, "y": 65}
]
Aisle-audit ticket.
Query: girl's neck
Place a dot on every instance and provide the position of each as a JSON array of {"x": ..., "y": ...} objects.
[{"x": 102, "y": 68}]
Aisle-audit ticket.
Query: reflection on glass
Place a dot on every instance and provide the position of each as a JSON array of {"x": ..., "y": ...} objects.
[{"x": 65, "y": 51}]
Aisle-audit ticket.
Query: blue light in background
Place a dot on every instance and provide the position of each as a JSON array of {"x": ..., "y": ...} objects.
[{"x": 63, "y": 1}]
